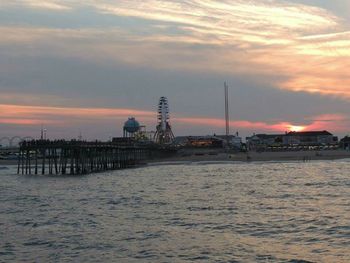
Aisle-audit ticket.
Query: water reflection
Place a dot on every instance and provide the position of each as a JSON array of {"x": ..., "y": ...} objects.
[{"x": 272, "y": 212}]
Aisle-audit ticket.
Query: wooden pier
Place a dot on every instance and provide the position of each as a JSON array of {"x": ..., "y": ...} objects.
[{"x": 76, "y": 157}]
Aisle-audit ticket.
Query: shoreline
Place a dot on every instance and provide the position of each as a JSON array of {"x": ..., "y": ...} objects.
[{"x": 303, "y": 156}]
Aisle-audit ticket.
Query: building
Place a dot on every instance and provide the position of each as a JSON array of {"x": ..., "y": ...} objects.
[
  {"x": 210, "y": 141},
  {"x": 310, "y": 138},
  {"x": 199, "y": 141},
  {"x": 124, "y": 141},
  {"x": 345, "y": 143},
  {"x": 292, "y": 141},
  {"x": 263, "y": 141},
  {"x": 233, "y": 141}
]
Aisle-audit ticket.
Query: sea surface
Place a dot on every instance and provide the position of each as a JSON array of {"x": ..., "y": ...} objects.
[{"x": 219, "y": 212}]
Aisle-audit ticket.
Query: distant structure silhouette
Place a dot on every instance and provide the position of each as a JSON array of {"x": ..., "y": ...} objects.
[
  {"x": 11, "y": 141},
  {"x": 227, "y": 116},
  {"x": 164, "y": 134},
  {"x": 131, "y": 126}
]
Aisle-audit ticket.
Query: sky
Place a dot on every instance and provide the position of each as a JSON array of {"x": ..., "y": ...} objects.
[{"x": 86, "y": 66}]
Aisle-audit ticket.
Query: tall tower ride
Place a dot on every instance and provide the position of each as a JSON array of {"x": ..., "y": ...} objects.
[{"x": 227, "y": 116}]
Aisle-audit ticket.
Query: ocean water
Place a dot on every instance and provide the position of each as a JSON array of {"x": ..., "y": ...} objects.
[{"x": 238, "y": 212}]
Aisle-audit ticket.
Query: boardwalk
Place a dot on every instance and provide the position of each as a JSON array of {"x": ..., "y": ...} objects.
[{"x": 76, "y": 157}]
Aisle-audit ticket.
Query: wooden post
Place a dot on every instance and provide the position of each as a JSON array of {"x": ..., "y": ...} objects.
[
  {"x": 26, "y": 161},
  {"x": 55, "y": 160},
  {"x": 71, "y": 161},
  {"x": 22, "y": 161},
  {"x": 19, "y": 161},
  {"x": 29, "y": 163},
  {"x": 79, "y": 157},
  {"x": 43, "y": 161},
  {"x": 36, "y": 161}
]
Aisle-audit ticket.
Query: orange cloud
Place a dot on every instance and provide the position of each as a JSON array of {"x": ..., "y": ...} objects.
[
  {"x": 42, "y": 4},
  {"x": 22, "y": 121},
  {"x": 305, "y": 44},
  {"x": 239, "y": 124},
  {"x": 336, "y": 122},
  {"x": 67, "y": 116},
  {"x": 332, "y": 122},
  {"x": 266, "y": 37},
  {"x": 29, "y": 115},
  {"x": 308, "y": 46}
]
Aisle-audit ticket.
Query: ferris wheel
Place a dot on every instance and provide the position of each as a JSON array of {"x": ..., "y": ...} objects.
[{"x": 164, "y": 133}]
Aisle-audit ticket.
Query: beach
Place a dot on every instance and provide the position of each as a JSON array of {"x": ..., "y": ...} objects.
[
  {"x": 241, "y": 157},
  {"x": 8, "y": 162},
  {"x": 259, "y": 156}
]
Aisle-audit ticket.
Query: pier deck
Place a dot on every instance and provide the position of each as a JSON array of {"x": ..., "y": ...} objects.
[{"x": 76, "y": 157}]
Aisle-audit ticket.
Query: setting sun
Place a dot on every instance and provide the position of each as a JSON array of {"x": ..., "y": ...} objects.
[{"x": 296, "y": 128}]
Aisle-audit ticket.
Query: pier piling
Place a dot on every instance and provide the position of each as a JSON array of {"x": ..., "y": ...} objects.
[{"x": 76, "y": 157}]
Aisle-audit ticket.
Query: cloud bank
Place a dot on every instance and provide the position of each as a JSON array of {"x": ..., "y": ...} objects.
[
  {"x": 289, "y": 46},
  {"x": 59, "y": 117},
  {"x": 307, "y": 45}
]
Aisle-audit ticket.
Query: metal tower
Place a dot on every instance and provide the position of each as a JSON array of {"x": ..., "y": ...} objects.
[
  {"x": 164, "y": 133},
  {"x": 227, "y": 117}
]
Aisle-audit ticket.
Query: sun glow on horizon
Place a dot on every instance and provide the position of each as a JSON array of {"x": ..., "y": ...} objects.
[{"x": 295, "y": 128}]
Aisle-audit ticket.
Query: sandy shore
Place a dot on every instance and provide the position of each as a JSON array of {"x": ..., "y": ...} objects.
[
  {"x": 258, "y": 157},
  {"x": 8, "y": 162},
  {"x": 243, "y": 157}
]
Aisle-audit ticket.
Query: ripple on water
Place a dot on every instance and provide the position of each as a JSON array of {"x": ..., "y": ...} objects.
[{"x": 267, "y": 212}]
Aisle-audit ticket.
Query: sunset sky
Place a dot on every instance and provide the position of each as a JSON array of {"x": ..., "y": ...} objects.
[{"x": 87, "y": 65}]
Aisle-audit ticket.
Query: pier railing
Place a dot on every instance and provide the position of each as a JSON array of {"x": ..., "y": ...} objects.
[{"x": 76, "y": 157}]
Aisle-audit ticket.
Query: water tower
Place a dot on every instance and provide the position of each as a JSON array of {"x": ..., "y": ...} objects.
[
  {"x": 131, "y": 126},
  {"x": 163, "y": 133}
]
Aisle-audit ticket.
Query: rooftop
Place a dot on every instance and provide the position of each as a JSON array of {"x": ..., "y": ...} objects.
[{"x": 309, "y": 133}]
